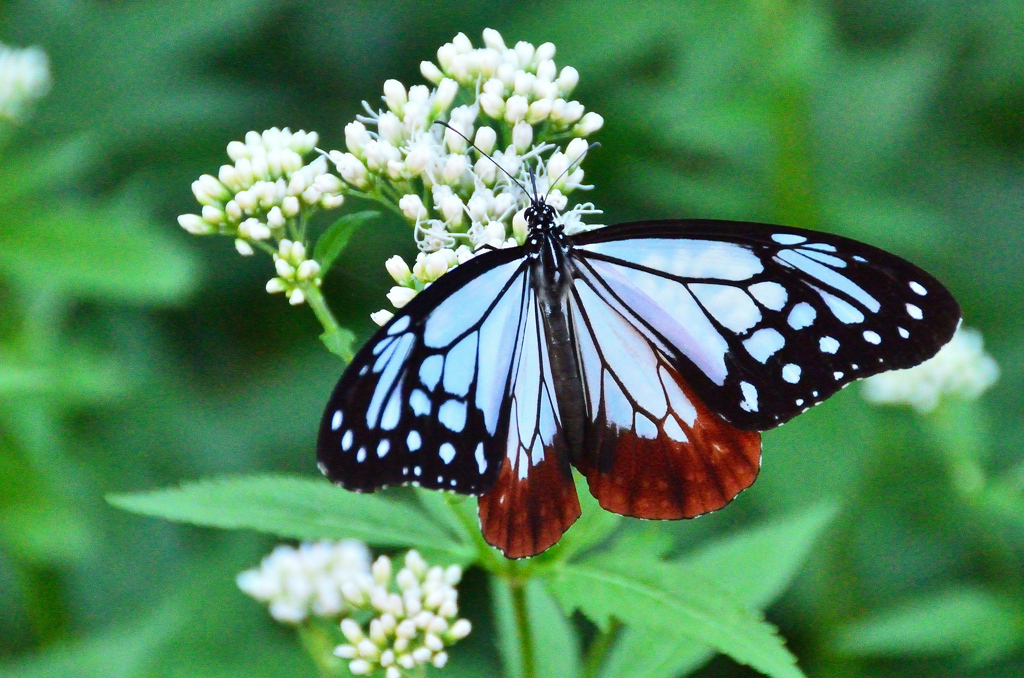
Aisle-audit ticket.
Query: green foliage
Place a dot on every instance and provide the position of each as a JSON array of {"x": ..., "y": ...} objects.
[
  {"x": 336, "y": 237},
  {"x": 980, "y": 625},
  {"x": 292, "y": 507},
  {"x": 660, "y": 598},
  {"x": 755, "y": 566}
]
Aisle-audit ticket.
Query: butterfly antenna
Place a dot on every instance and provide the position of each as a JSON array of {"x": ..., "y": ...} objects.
[
  {"x": 474, "y": 146},
  {"x": 574, "y": 163}
]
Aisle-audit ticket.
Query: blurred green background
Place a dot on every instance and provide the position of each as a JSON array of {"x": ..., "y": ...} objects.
[{"x": 135, "y": 356}]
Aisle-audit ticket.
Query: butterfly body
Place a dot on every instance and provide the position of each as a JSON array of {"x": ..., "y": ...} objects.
[{"x": 647, "y": 355}]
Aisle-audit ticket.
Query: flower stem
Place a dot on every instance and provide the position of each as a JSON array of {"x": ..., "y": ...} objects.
[
  {"x": 337, "y": 339},
  {"x": 517, "y": 587}
]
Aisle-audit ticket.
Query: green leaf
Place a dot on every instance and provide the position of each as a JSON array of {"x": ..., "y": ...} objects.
[
  {"x": 290, "y": 506},
  {"x": 755, "y": 565},
  {"x": 980, "y": 624},
  {"x": 339, "y": 342},
  {"x": 336, "y": 237},
  {"x": 554, "y": 642},
  {"x": 107, "y": 252},
  {"x": 659, "y": 598}
]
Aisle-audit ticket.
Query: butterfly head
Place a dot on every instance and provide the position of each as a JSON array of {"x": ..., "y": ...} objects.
[{"x": 540, "y": 215}]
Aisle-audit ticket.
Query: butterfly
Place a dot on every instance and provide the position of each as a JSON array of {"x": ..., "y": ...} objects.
[{"x": 647, "y": 355}]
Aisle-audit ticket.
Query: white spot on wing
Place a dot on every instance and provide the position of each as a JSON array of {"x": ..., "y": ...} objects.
[
  {"x": 446, "y": 452},
  {"x": 361, "y": 455},
  {"x": 843, "y": 311},
  {"x": 430, "y": 371},
  {"x": 419, "y": 402},
  {"x": 413, "y": 441},
  {"x": 802, "y": 315},
  {"x": 918, "y": 288},
  {"x": 453, "y": 415},
  {"x": 835, "y": 262},
  {"x": 731, "y": 306},
  {"x": 837, "y": 375},
  {"x": 416, "y": 470},
  {"x": 383, "y": 447},
  {"x": 481, "y": 461},
  {"x": 645, "y": 428},
  {"x": 791, "y": 373},
  {"x": 821, "y": 246},
  {"x": 686, "y": 258},
  {"x": 903, "y": 333},
  {"x": 828, "y": 345},
  {"x": 749, "y": 402},
  {"x": 764, "y": 343},
  {"x": 466, "y": 306},
  {"x": 460, "y": 366},
  {"x": 914, "y": 312},
  {"x": 346, "y": 441},
  {"x": 771, "y": 294},
  {"x": 872, "y": 337},
  {"x": 400, "y": 325},
  {"x": 336, "y": 420},
  {"x": 788, "y": 239},
  {"x": 673, "y": 430}
]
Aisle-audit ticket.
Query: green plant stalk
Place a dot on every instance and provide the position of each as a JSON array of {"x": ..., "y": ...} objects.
[
  {"x": 517, "y": 587},
  {"x": 319, "y": 645},
  {"x": 598, "y": 650},
  {"x": 316, "y": 301}
]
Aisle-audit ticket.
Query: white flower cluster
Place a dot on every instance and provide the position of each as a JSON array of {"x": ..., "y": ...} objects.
[
  {"x": 292, "y": 269},
  {"x": 267, "y": 194},
  {"x": 325, "y": 578},
  {"x": 515, "y": 105},
  {"x": 418, "y": 617},
  {"x": 24, "y": 78},
  {"x": 416, "y": 610},
  {"x": 961, "y": 368}
]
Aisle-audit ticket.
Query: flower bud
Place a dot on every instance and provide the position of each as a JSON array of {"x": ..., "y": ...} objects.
[
  {"x": 395, "y": 96},
  {"x": 446, "y": 92},
  {"x": 345, "y": 651},
  {"x": 212, "y": 214},
  {"x": 412, "y": 207},
  {"x": 290, "y": 206},
  {"x": 493, "y": 40},
  {"x": 440, "y": 659},
  {"x": 356, "y": 138},
  {"x": 522, "y": 136},
  {"x": 545, "y": 52},
  {"x": 516, "y": 108},
  {"x": 284, "y": 269},
  {"x": 275, "y": 219},
  {"x": 360, "y": 667},
  {"x": 210, "y": 191},
  {"x": 390, "y": 128},
  {"x": 492, "y": 104},
  {"x": 523, "y": 83},
  {"x": 400, "y": 296},
  {"x": 232, "y": 211},
  {"x": 567, "y": 80},
  {"x": 590, "y": 123},
  {"x": 431, "y": 72},
  {"x": 382, "y": 317},
  {"x": 455, "y": 168},
  {"x": 236, "y": 150},
  {"x": 296, "y": 297},
  {"x": 557, "y": 165},
  {"x": 421, "y": 655},
  {"x": 432, "y": 642},
  {"x": 275, "y": 285},
  {"x": 539, "y": 111},
  {"x": 485, "y": 139},
  {"x": 524, "y": 53},
  {"x": 244, "y": 248},
  {"x": 195, "y": 225},
  {"x": 399, "y": 271},
  {"x": 520, "y": 227},
  {"x": 546, "y": 70},
  {"x": 575, "y": 149},
  {"x": 307, "y": 269},
  {"x": 393, "y": 672},
  {"x": 460, "y": 629},
  {"x": 435, "y": 265}
]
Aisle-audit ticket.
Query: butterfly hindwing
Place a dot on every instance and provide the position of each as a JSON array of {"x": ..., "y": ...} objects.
[
  {"x": 652, "y": 448},
  {"x": 423, "y": 400},
  {"x": 534, "y": 499},
  {"x": 765, "y": 321}
]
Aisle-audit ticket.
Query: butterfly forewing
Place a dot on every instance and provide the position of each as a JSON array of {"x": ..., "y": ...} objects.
[
  {"x": 423, "y": 400},
  {"x": 766, "y": 321}
]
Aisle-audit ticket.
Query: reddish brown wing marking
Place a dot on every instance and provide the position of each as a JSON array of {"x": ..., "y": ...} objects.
[
  {"x": 523, "y": 516},
  {"x": 663, "y": 478}
]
